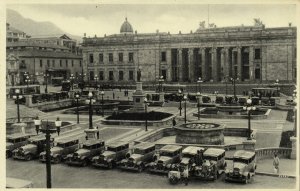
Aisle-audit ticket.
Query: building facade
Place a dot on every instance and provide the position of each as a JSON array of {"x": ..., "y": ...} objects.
[
  {"x": 38, "y": 59},
  {"x": 250, "y": 53},
  {"x": 14, "y": 35}
]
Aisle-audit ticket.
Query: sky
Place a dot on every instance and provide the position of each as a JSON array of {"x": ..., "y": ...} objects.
[{"x": 100, "y": 19}]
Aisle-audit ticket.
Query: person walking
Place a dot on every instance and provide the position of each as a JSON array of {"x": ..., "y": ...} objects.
[
  {"x": 276, "y": 163},
  {"x": 174, "y": 122},
  {"x": 98, "y": 134}
]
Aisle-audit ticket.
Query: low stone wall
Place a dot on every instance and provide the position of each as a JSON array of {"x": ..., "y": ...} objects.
[
  {"x": 264, "y": 153},
  {"x": 284, "y": 107},
  {"x": 164, "y": 122},
  {"x": 53, "y": 105}
]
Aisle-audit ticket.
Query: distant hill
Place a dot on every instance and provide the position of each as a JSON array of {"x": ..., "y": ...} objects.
[{"x": 34, "y": 28}]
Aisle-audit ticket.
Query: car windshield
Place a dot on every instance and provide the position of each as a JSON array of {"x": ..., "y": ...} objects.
[
  {"x": 60, "y": 145},
  {"x": 111, "y": 149},
  {"x": 139, "y": 151},
  {"x": 86, "y": 146},
  {"x": 32, "y": 142},
  {"x": 10, "y": 140},
  {"x": 187, "y": 155},
  {"x": 210, "y": 158},
  {"x": 240, "y": 160},
  {"x": 167, "y": 154}
]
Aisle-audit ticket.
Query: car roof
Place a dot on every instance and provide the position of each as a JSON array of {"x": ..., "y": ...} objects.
[
  {"x": 92, "y": 142},
  {"x": 170, "y": 148},
  {"x": 192, "y": 150},
  {"x": 37, "y": 138},
  {"x": 243, "y": 154},
  {"x": 213, "y": 152},
  {"x": 16, "y": 136},
  {"x": 17, "y": 183},
  {"x": 144, "y": 145},
  {"x": 117, "y": 143},
  {"x": 66, "y": 140}
]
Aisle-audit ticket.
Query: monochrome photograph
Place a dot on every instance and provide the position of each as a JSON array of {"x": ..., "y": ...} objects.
[{"x": 145, "y": 95}]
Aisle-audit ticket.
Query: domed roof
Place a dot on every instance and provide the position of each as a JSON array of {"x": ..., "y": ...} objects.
[{"x": 126, "y": 27}]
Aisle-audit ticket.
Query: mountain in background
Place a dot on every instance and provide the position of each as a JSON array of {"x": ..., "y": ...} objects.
[{"x": 34, "y": 28}]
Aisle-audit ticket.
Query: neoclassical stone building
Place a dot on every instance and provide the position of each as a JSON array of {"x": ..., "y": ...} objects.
[{"x": 250, "y": 53}]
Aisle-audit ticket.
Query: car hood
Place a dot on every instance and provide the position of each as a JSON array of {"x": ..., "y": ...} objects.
[
  {"x": 136, "y": 156},
  {"x": 239, "y": 165},
  {"x": 82, "y": 151},
  {"x": 185, "y": 160},
  {"x": 8, "y": 144},
  {"x": 164, "y": 159},
  {"x": 56, "y": 150},
  {"x": 29, "y": 146},
  {"x": 108, "y": 153}
]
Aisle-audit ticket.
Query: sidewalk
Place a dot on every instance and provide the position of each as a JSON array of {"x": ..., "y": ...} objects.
[{"x": 287, "y": 167}]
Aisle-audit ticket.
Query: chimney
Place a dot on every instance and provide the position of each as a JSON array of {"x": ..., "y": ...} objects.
[{"x": 290, "y": 24}]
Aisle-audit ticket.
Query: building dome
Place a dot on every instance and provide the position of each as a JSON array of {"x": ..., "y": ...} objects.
[{"x": 126, "y": 27}]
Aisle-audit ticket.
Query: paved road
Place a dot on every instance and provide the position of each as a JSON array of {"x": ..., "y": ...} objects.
[{"x": 64, "y": 176}]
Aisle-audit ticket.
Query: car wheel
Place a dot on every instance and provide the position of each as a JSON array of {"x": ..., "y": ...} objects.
[
  {"x": 85, "y": 163},
  {"x": 247, "y": 179},
  {"x": 110, "y": 165},
  {"x": 140, "y": 168},
  {"x": 57, "y": 159},
  {"x": 28, "y": 157},
  {"x": 8, "y": 154}
]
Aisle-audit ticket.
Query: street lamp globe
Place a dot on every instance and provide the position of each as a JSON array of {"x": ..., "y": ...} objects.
[
  {"x": 277, "y": 81},
  {"x": 17, "y": 91},
  {"x": 244, "y": 108},
  {"x": 179, "y": 91},
  {"x": 102, "y": 92},
  {"x": 145, "y": 100},
  {"x": 198, "y": 94},
  {"x": 90, "y": 94},
  {"x": 184, "y": 97},
  {"x": 249, "y": 101},
  {"x": 76, "y": 96}
]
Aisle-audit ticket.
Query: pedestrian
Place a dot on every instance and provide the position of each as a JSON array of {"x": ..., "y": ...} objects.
[
  {"x": 276, "y": 163},
  {"x": 174, "y": 122},
  {"x": 86, "y": 137},
  {"x": 98, "y": 134},
  {"x": 58, "y": 124},
  {"x": 113, "y": 95},
  {"x": 186, "y": 175}
]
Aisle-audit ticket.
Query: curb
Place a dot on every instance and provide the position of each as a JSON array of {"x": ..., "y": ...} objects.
[{"x": 275, "y": 175}]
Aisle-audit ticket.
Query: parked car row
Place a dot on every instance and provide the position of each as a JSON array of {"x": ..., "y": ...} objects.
[{"x": 205, "y": 164}]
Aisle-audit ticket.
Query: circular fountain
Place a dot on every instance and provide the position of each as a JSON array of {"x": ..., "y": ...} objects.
[{"x": 200, "y": 133}]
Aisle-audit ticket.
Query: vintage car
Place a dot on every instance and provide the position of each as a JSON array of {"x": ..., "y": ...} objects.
[
  {"x": 141, "y": 155},
  {"x": 168, "y": 156},
  {"x": 244, "y": 166},
  {"x": 35, "y": 146},
  {"x": 84, "y": 155},
  {"x": 213, "y": 164},
  {"x": 15, "y": 141},
  {"x": 61, "y": 150},
  {"x": 189, "y": 155},
  {"x": 113, "y": 153}
]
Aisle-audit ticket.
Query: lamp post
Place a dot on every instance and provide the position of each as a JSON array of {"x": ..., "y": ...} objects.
[
  {"x": 77, "y": 96},
  {"x": 72, "y": 77},
  {"x": 277, "y": 86},
  {"x": 46, "y": 75},
  {"x": 58, "y": 125},
  {"x": 198, "y": 103},
  {"x": 184, "y": 98},
  {"x": 199, "y": 81},
  {"x": 48, "y": 157},
  {"x": 233, "y": 80},
  {"x": 96, "y": 79},
  {"x": 17, "y": 97},
  {"x": 180, "y": 108},
  {"x": 102, "y": 102},
  {"x": 249, "y": 107},
  {"x": 160, "y": 81},
  {"x": 90, "y": 95},
  {"x": 27, "y": 80},
  {"x": 146, "y": 114}
]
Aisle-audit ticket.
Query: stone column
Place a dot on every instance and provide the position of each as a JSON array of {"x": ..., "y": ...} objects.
[
  {"x": 191, "y": 65},
  {"x": 226, "y": 62},
  {"x": 294, "y": 147},
  {"x": 169, "y": 65},
  {"x": 233, "y": 61},
  {"x": 223, "y": 65},
  {"x": 239, "y": 62},
  {"x": 214, "y": 65},
  {"x": 251, "y": 63},
  {"x": 203, "y": 64},
  {"x": 180, "y": 65}
]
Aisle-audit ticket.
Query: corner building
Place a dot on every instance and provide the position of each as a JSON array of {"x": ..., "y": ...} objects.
[{"x": 251, "y": 53}]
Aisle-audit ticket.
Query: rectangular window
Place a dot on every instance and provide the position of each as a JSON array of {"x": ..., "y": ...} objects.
[
  {"x": 257, "y": 53},
  {"x": 130, "y": 75},
  {"x": 121, "y": 76},
  {"x": 111, "y": 75},
  {"x": 163, "y": 56},
  {"x": 53, "y": 63},
  {"x": 130, "y": 57},
  {"x": 48, "y": 63},
  {"x": 91, "y": 75},
  {"x": 120, "y": 57},
  {"x": 41, "y": 63},
  {"x": 60, "y": 63},
  {"x": 72, "y": 63},
  {"x": 110, "y": 57},
  {"x": 101, "y": 75},
  {"x": 80, "y": 64},
  {"x": 101, "y": 57},
  {"x": 66, "y": 63},
  {"x": 91, "y": 59}
]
